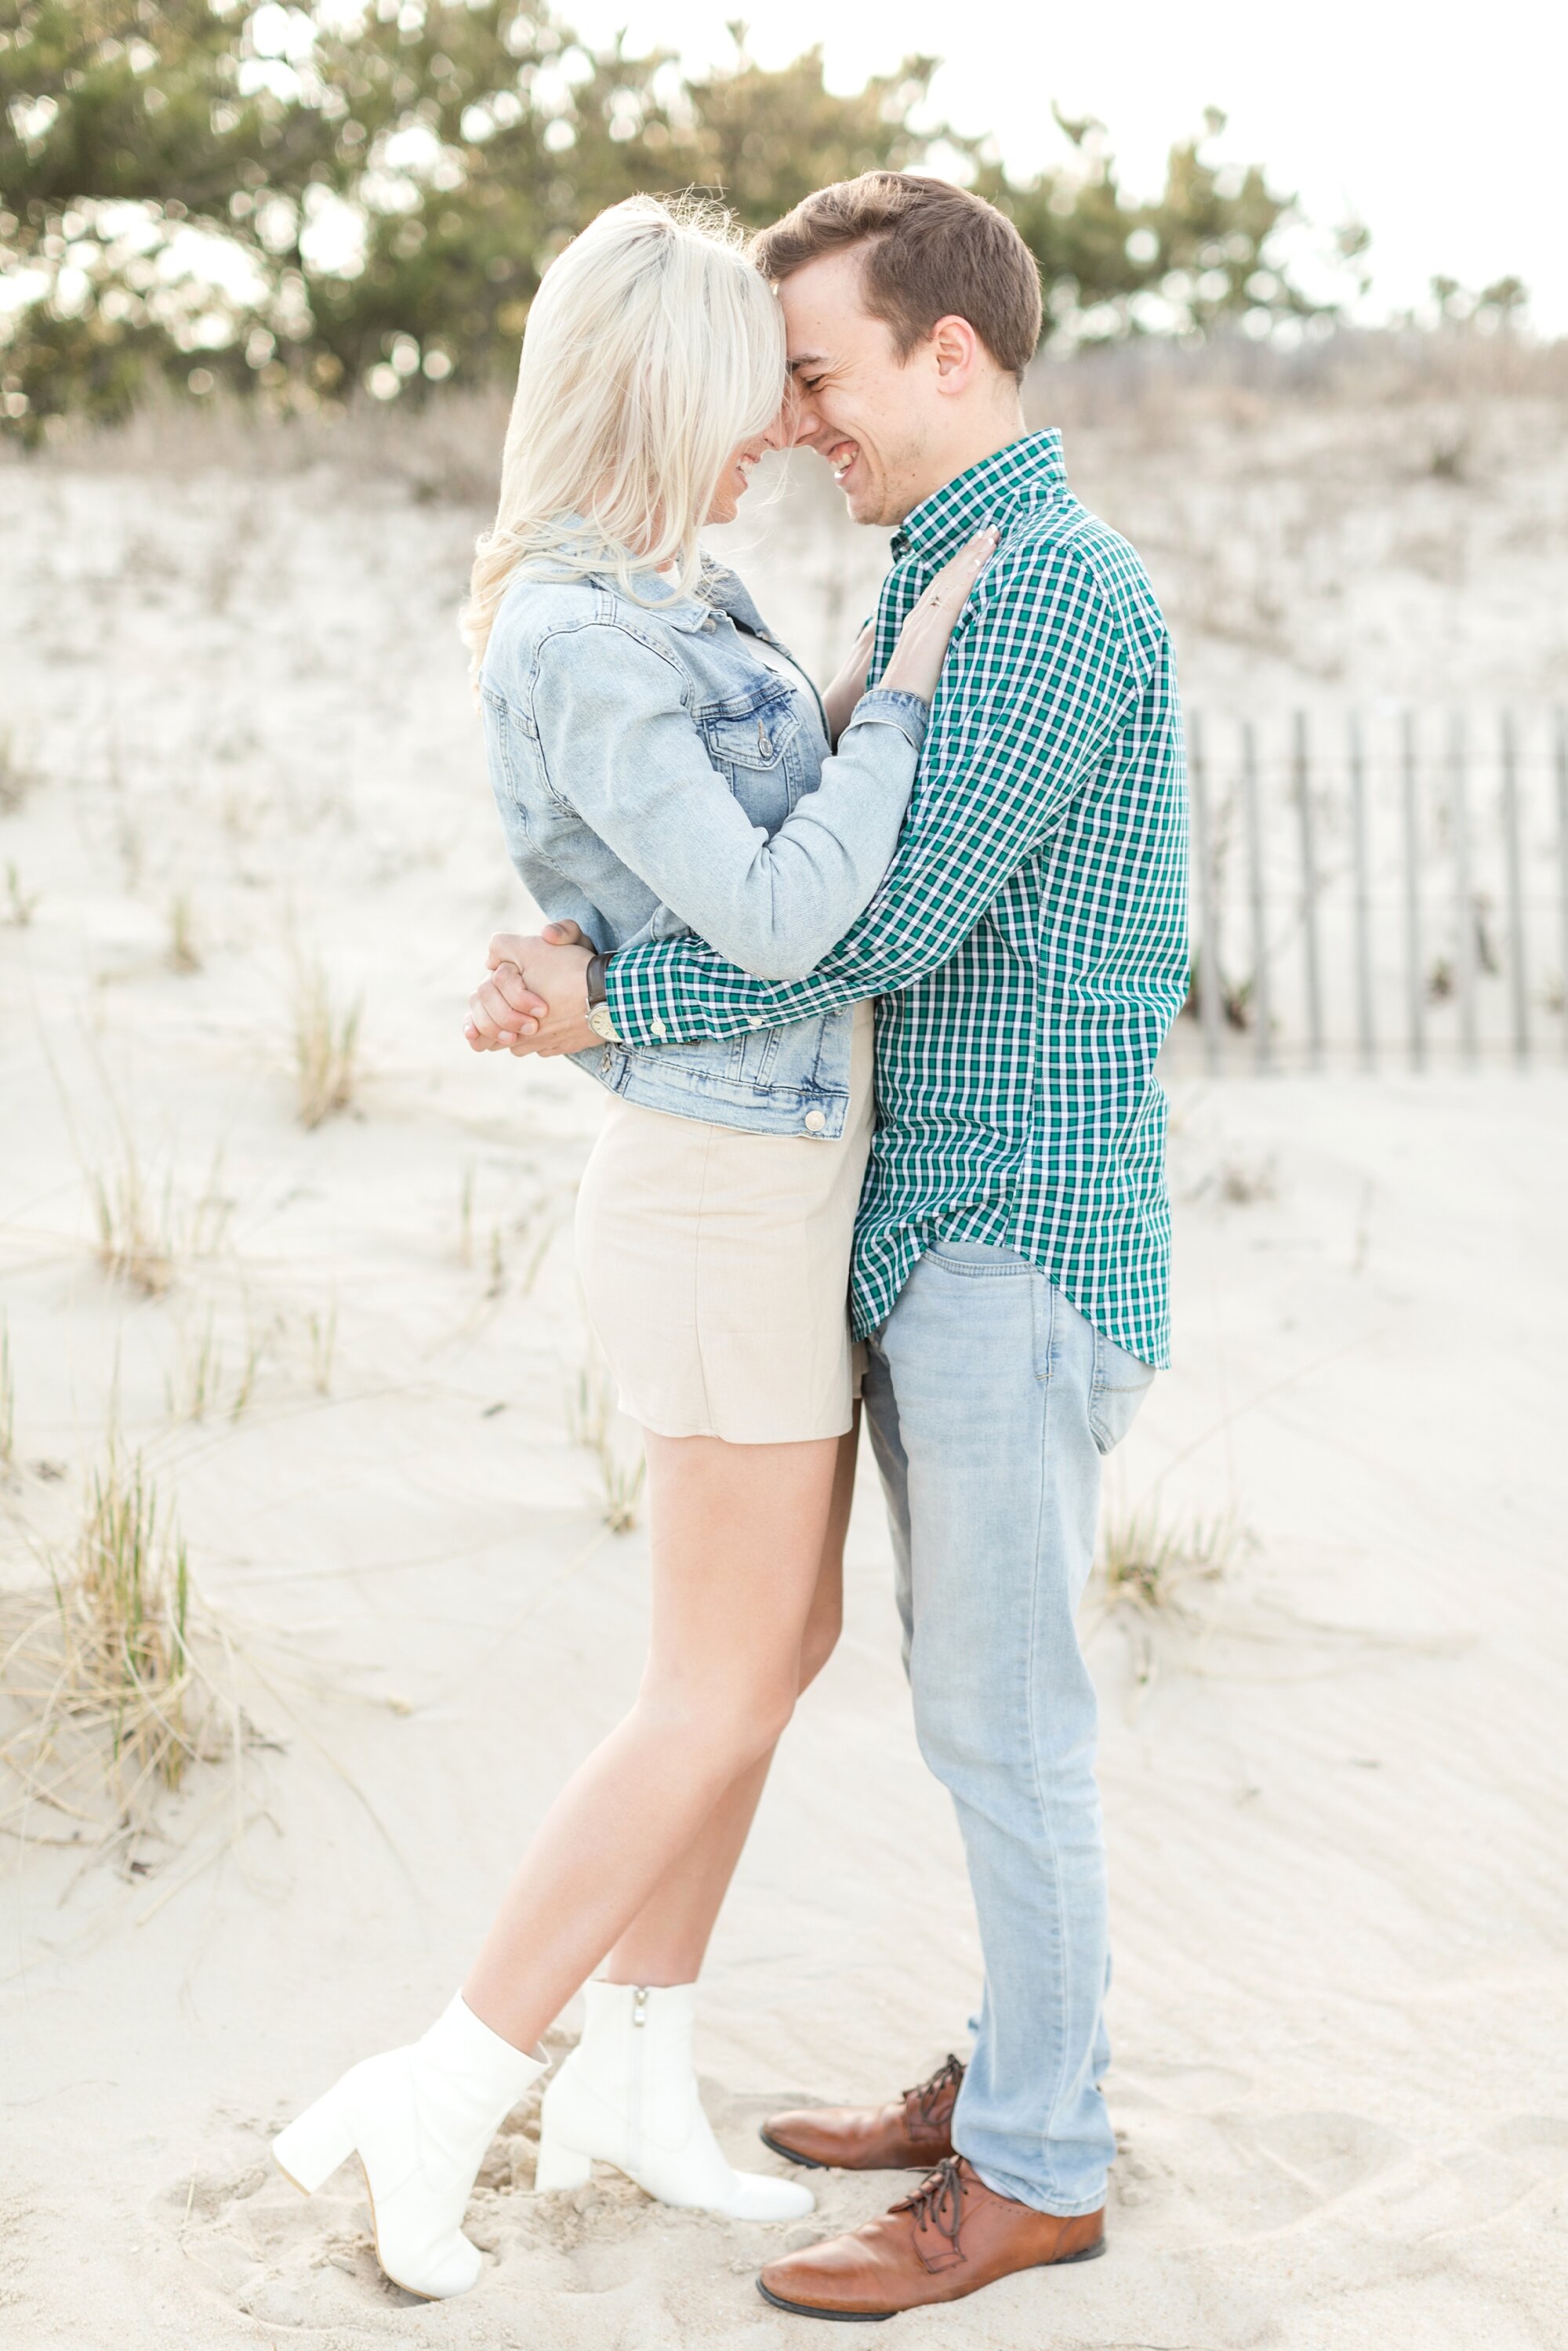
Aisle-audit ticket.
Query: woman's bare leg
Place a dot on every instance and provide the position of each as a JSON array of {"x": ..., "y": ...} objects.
[
  {"x": 665, "y": 1942},
  {"x": 736, "y": 1545}
]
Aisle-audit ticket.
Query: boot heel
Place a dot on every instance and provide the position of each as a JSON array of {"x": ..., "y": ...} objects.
[
  {"x": 560, "y": 2166},
  {"x": 315, "y": 2143}
]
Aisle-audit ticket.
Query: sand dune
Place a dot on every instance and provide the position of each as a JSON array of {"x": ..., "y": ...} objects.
[{"x": 1334, "y": 1770}]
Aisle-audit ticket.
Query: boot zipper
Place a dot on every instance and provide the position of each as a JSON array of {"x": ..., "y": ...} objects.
[{"x": 634, "y": 2117}]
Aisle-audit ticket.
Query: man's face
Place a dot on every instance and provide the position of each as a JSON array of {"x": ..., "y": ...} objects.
[{"x": 874, "y": 417}]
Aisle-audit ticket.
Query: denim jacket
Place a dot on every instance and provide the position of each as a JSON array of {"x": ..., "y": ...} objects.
[{"x": 655, "y": 775}]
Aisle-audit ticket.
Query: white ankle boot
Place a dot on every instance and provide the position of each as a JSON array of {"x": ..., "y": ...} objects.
[
  {"x": 420, "y": 2120},
  {"x": 628, "y": 2096}
]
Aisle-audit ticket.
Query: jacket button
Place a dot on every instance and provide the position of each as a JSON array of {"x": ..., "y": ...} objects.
[{"x": 815, "y": 1122}]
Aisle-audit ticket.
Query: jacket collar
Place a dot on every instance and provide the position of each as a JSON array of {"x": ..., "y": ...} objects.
[
  {"x": 719, "y": 591},
  {"x": 725, "y": 591}
]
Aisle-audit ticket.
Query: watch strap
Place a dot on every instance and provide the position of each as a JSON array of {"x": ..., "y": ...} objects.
[{"x": 598, "y": 1007}]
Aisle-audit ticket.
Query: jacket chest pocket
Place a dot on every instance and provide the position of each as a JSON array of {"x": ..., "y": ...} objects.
[
  {"x": 752, "y": 1057},
  {"x": 755, "y": 742}
]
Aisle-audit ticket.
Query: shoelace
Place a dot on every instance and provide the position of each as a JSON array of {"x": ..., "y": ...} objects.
[
  {"x": 939, "y": 2200},
  {"x": 926, "y": 2095}
]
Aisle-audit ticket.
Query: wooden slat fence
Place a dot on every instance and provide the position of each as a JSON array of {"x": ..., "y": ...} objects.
[{"x": 1383, "y": 890}]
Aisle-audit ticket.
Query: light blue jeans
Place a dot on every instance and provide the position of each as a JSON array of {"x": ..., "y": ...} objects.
[{"x": 990, "y": 1401}]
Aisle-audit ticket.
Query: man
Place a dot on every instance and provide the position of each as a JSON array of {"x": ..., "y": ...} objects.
[{"x": 1028, "y": 950}]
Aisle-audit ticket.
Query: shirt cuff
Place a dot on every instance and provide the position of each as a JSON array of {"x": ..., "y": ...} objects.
[
  {"x": 638, "y": 993},
  {"x": 888, "y": 706}
]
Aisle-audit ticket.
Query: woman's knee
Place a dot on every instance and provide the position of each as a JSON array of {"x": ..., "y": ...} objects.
[
  {"x": 819, "y": 1642},
  {"x": 731, "y": 1723}
]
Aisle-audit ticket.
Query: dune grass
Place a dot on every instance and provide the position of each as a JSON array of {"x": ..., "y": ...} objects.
[
  {"x": 17, "y": 773},
  {"x": 590, "y": 1419},
  {"x": 1151, "y": 1567},
  {"x": 325, "y": 1047},
  {"x": 109, "y": 1685},
  {"x": 1148, "y": 1561},
  {"x": 135, "y": 1219},
  {"x": 21, "y": 905},
  {"x": 184, "y": 953}
]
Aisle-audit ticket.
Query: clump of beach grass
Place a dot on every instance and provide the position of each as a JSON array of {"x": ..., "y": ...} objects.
[
  {"x": 1148, "y": 1561},
  {"x": 184, "y": 953},
  {"x": 1150, "y": 1567},
  {"x": 1242, "y": 1182},
  {"x": 322, "y": 1330},
  {"x": 146, "y": 1228},
  {"x": 325, "y": 1047},
  {"x": 256, "y": 1343},
  {"x": 590, "y": 1419},
  {"x": 201, "y": 1373},
  {"x": 17, "y": 773},
  {"x": 135, "y": 1221},
  {"x": 465, "y": 1216},
  {"x": 109, "y": 1689},
  {"x": 21, "y": 905}
]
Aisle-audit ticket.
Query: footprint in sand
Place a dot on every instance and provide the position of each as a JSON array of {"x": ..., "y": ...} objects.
[
  {"x": 1329, "y": 2154},
  {"x": 1246, "y": 2175},
  {"x": 1539, "y": 2141},
  {"x": 1467, "y": 2187}
]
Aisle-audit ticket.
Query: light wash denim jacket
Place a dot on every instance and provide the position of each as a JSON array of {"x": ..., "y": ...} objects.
[{"x": 655, "y": 775}]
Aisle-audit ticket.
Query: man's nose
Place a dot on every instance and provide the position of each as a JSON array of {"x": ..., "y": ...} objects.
[{"x": 806, "y": 420}]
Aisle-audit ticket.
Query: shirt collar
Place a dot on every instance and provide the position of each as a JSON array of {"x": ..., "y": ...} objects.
[{"x": 1019, "y": 475}]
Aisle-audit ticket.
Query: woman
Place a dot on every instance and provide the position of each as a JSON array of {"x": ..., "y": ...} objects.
[{"x": 660, "y": 763}]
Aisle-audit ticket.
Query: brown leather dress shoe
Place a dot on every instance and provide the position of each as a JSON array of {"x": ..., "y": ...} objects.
[
  {"x": 909, "y": 2134},
  {"x": 950, "y": 2238}
]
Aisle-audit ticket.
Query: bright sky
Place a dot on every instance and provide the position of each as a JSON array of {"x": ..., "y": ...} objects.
[{"x": 1443, "y": 129}]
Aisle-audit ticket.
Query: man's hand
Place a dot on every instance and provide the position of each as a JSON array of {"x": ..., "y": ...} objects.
[{"x": 536, "y": 999}]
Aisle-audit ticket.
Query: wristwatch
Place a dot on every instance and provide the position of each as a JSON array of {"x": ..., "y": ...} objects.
[{"x": 599, "y": 1018}]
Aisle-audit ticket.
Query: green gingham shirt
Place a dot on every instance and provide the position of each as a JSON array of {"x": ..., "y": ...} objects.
[{"x": 1027, "y": 947}]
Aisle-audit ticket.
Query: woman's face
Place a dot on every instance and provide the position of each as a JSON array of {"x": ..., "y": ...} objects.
[{"x": 735, "y": 478}]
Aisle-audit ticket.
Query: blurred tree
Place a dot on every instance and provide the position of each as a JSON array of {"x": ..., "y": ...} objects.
[
  {"x": 1497, "y": 307},
  {"x": 300, "y": 201},
  {"x": 1202, "y": 255},
  {"x": 378, "y": 193},
  {"x": 765, "y": 139}
]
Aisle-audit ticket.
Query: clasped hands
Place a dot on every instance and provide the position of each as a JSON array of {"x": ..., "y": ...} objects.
[{"x": 535, "y": 998}]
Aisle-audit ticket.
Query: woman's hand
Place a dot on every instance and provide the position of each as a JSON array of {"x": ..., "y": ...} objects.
[
  {"x": 922, "y": 644},
  {"x": 847, "y": 688}
]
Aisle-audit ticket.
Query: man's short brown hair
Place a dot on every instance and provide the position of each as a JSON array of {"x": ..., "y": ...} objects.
[{"x": 932, "y": 251}]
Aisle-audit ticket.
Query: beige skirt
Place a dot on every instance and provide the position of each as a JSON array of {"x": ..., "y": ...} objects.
[{"x": 716, "y": 1268}]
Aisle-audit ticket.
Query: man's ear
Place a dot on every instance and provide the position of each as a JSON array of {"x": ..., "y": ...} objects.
[{"x": 958, "y": 354}]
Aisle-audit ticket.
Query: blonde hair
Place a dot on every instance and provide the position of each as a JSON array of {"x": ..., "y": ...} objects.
[{"x": 654, "y": 347}]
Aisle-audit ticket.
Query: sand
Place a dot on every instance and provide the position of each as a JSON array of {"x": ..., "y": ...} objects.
[{"x": 1334, "y": 1771}]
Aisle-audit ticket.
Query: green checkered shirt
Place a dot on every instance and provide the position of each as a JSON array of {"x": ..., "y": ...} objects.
[{"x": 1027, "y": 947}]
